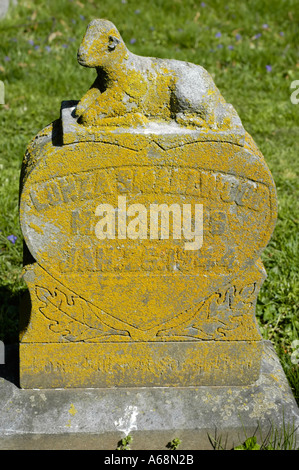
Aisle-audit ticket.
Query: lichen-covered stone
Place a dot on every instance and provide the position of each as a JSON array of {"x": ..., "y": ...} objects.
[
  {"x": 131, "y": 90},
  {"x": 138, "y": 311}
]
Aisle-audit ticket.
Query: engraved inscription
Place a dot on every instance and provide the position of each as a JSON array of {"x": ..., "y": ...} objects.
[
  {"x": 188, "y": 181},
  {"x": 121, "y": 364},
  {"x": 138, "y": 258}
]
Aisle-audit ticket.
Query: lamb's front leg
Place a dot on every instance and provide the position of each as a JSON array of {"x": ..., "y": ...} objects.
[
  {"x": 98, "y": 109},
  {"x": 87, "y": 102}
]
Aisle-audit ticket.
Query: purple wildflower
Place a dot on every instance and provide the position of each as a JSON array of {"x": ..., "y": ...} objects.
[
  {"x": 7, "y": 58},
  {"x": 265, "y": 26},
  {"x": 238, "y": 37},
  {"x": 256, "y": 36},
  {"x": 48, "y": 48},
  {"x": 132, "y": 41},
  {"x": 36, "y": 47},
  {"x": 230, "y": 47},
  {"x": 218, "y": 35},
  {"x": 12, "y": 238},
  {"x": 281, "y": 33},
  {"x": 269, "y": 68},
  {"x": 31, "y": 42},
  {"x": 202, "y": 4}
]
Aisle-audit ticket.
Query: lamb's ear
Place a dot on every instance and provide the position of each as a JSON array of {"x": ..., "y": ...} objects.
[{"x": 113, "y": 41}]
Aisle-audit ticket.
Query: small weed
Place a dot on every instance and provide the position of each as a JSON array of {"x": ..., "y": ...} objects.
[
  {"x": 174, "y": 444},
  {"x": 124, "y": 444},
  {"x": 249, "y": 444}
]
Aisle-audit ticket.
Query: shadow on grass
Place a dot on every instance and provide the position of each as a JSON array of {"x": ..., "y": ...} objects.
[
  {"x": 9, "y": 314},
  {"x": 10, "y": 370},
  {"x": 9, "y": 331}
]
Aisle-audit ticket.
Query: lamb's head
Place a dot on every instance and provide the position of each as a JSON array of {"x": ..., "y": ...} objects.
[{"x": 102, "y": 45}]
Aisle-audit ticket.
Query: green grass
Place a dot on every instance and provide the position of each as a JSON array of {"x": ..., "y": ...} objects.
[
  {"x": 251, "y": 50},
  {"x": 284, "y": 439}
]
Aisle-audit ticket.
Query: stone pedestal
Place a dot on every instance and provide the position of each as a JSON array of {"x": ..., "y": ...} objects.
[{"x": 201, "y": 417}]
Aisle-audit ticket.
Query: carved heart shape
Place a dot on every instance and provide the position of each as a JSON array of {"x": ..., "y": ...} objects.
[{"x": 145, "y": 283}]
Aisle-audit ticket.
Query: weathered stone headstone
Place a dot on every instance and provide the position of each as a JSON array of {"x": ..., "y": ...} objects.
[{"x": 145, "y": 209}]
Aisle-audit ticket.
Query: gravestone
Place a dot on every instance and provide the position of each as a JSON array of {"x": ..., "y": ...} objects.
[{"x": 144, "y": 209}]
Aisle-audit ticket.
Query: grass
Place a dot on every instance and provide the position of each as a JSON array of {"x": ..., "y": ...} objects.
[
  {"x": 251, "y": 50},
  {"x": 275, "y": 439}
]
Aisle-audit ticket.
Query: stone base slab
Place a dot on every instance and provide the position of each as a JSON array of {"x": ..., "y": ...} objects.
[
  {"x": 142, "y": 364},
  {"x": 99, "y": 418}
]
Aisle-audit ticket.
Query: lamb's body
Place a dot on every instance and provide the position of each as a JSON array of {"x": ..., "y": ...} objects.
[{"x": 135, "y": 89}]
